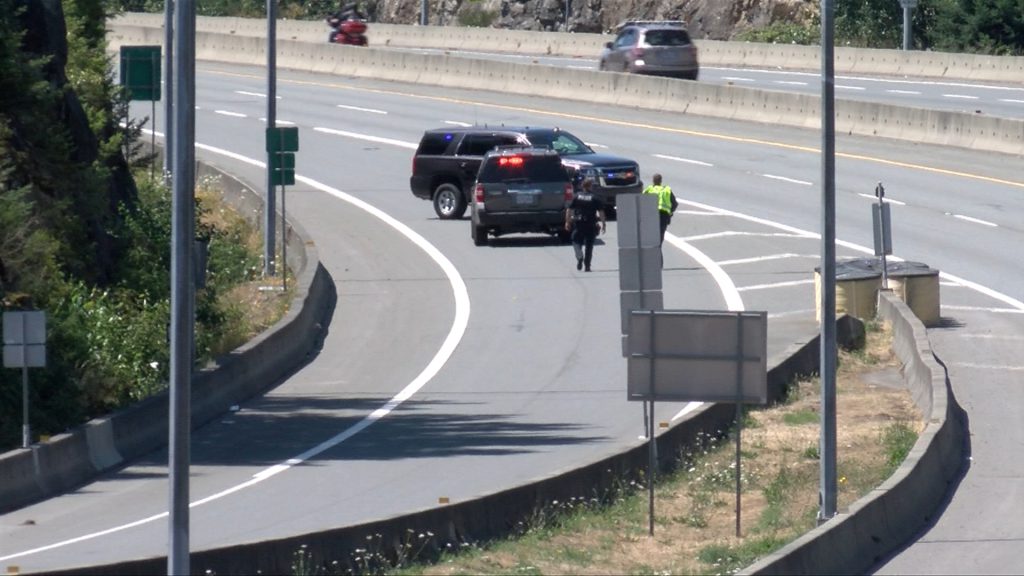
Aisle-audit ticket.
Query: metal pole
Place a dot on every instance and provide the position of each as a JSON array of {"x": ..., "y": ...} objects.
[
  {"x": 652, "y": 456},
  {"x": 284, "y": 243},
  {"x": 568, "y": 7},
  {"x": 880, "y": 193},
  {"x": 269, "y": 235},
  {"x": 182, "y": 234},
  {"x": 26, "y": 431},
  {"x": 827, "y": 494},
  {"x": 423, "y": 13},
  {"x": 739, "y": 414},
  {"x": 906, "y": 27},
  {"x": 168, "y": 90}
]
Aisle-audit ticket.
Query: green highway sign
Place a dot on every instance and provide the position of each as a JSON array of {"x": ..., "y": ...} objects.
[
  {"x": 285, "y": 139},
  {"x": 140, "y": 72},
  {"x": 282, "y": 169}
]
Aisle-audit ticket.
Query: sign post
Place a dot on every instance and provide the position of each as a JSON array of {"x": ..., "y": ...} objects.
[
  {"x": 282, "y": 144},
  {"x": 25, "y": 347},
  {"x": 140, "y": 76}
]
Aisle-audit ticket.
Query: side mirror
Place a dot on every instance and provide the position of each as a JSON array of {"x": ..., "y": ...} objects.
[{"x": 608, "y": 45}]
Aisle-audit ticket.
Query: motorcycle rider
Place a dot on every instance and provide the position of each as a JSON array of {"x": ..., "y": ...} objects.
[{"x": 347, "y": 11}]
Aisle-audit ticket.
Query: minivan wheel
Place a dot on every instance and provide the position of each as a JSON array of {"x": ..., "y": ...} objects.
[
  {"x": 449, "y": 203},
  {"x": 479, "y": 235}
]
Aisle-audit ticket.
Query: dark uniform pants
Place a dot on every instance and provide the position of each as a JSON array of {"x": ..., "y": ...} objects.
[{"x": 583, "y": 236}]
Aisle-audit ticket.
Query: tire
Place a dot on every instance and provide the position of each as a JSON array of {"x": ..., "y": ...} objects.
[
  {"x": 479, "y": 234},
  {"x": 449, "y": 203}
]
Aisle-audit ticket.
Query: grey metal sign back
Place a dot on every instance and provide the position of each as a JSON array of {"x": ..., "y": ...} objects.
[
  {"x": 698, "y": 356},
  {"x": 25, "y": 339},
  {"x": 639, "y": 257}
]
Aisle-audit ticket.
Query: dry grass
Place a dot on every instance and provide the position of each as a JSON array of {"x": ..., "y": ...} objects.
[{"x": 695, "y": 514}]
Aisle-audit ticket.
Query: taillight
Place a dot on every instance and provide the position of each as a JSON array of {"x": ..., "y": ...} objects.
[
  {"x": 510, "y": 161},
  {"x": 568, "y": 193},
  {"x": 478, "y": 194}
]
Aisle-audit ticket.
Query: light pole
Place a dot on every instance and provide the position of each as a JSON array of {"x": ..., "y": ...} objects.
[{"x": 908, "y": 6}]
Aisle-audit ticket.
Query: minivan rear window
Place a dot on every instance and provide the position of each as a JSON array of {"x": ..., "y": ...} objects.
[
  {"x": 667, "y": 38},
  {"x": 532, "y": 168}
]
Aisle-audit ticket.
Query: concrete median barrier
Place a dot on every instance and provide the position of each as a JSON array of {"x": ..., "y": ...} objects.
[{"x": 69, "y": 460}]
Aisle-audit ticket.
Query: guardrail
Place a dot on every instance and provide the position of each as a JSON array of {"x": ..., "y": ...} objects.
[
  {"x": 974, "y": 131},
  {"x": 69, "y": 460},
  {"x": 917, "y": 63}
]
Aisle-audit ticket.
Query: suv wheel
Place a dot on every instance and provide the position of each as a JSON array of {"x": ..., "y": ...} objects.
[
  {"x": 479, "y": 235},
  {"x": 449, "y": 203}
]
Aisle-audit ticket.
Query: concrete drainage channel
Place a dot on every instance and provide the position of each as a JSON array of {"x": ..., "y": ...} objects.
[{"x": 875, "y": 525}]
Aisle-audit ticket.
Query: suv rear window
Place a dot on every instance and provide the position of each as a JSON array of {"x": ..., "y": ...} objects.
[
  {"x": 520, "y": 168},
  {"x": 667, "y": 38},
  {"x": 480, "y": 144},
  {"x": 434, "y": 143}
]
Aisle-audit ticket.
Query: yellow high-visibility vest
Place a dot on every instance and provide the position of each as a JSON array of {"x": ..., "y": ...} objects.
[{"x": 664, "y": 197}]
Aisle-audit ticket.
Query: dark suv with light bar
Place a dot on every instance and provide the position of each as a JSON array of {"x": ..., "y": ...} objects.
[
  {"x": 520, "y": 189},
  {"x": 446, "y": 162}
]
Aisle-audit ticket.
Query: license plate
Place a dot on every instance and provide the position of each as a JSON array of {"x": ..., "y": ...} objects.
[{"x": 525, "y": 198}]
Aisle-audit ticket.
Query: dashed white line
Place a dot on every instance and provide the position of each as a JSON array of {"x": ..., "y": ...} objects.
[
  {"x": 790, "y": 180},
  {"x": 910, "y": 92},
  {"x": 841, "y": 87},
  {"x": 282, "y": 122},
  {"x": 685, "y": 160},
  {"x": 887, "y": 200},
  {"x": 366, "y": 137},
  {"x": 361, "y": 109},
  {"x": 230, "y": 113},
  {"x": 751, "y": 234},
  {"x": 975, "y": 220},
  {"x": 738, "y": 79},
  {"x": 998, "y": 367},
  {"x": 256, "y": 94},
  {"x": 595, "y": 145},
  {"x": 776, "y": 285},
  {"x": 457, "y": 123},
  {"x": 789, "y": 82},
  {"x": 766, "y": 258},
  {"x": 1011, "y": 101},
  {"x": 960, "y": 96}
]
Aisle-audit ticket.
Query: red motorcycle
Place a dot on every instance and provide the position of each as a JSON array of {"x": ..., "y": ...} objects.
[{"x": 350, "y": 31}]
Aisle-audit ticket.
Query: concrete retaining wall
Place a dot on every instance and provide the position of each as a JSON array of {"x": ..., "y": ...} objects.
[
  {"x": 664, "y": 94},
  {"x": 885, "y": 519},
  {"x": 1002, "y": 69},
  {"x": 69, "y": 460},
  {"x": 495, "y": 515}
]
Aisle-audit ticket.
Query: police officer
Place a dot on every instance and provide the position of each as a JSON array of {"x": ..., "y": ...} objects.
[
  {"x": 666, "y": 203},
  {"x": 584, "y": 219}
]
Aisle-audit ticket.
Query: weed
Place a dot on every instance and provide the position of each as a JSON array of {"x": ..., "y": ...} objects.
[
  {"x": 898, "y": 439},
  {"x": 801, "y": 417}
]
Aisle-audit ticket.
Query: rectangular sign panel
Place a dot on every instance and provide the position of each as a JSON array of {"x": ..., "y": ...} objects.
[
  {"x": 698, "y": 356},
  {"x": 646, "y": 300},
  {"x": 638, "y": 222},
  {"x": 283, "y": 139},
  {"x": 640, "y": 268},
  {"x": 140, "y": 72}
]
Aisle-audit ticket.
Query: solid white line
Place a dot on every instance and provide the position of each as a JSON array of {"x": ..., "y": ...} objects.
[
  {"x": 887, "y": 200},
  {"x": 791, "y": 180},
  {"x": 455, "y": 334},
  {"x": 960, "y": 96},
  {"x": 776, "y": 285},
  {"x": 976, "y": 220},
  {"x": 765, "y": 258},
  {"x": 911, "y": 92},
  {"x": 359, "y": 109},
  {"x": 685, "y": 160},
  {"x": 230, "y": 113},
  {"x": 367, "y": 137}
]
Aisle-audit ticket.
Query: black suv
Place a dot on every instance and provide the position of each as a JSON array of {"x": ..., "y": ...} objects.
[
  {"x": 446, "y": 162},
  {"x": 520, "y": 189}
]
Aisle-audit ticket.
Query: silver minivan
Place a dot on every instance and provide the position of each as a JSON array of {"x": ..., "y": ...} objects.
[
  {"x": 520, "y": 189},
  {"x": 661, "y": 47}
]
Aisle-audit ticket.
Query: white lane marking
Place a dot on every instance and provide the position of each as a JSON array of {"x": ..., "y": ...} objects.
[
  {"x": 1009, "y": 300},
  {"x": 758, "y": 259},
  {"x": 817, "y": 75},
  {"x": 975, "y": 220},
  {"x": 982, "y": 309},
  {"x": 887, "y": 199},
  {"x": 738, "y": 233},
  {"x": 457, "y": 123},
  {"x": 361, "y": 109},
  {"x": 733, "y": 300},
  {"x": 367, "y": 137},
  {"x": 577, "y": 67},
  {"x": 684, "y": 160},
  {"x": 451, "y": 341},
  {"x": 999, "y": 367},
  {"x": 230, "y": 113},
  {"x": 960, "y": 96},
  {"x": 738, "y": 79},
  {"x": 776, "y": 285},
  {"x": 1011, "y": 101},
  {"x": 842, "y": 87},
  {"x": 281, "y": 122},
  {"x": 910, "y": 92},
  {"x": 256, "y": 94},
  {"x": 789, "y": 82},
  {"x": 595, "y": 145},
  {"x": 790, "y": 180}
]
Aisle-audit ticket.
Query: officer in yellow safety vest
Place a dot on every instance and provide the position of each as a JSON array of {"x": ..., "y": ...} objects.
[{"x": 666, "y": 203}]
